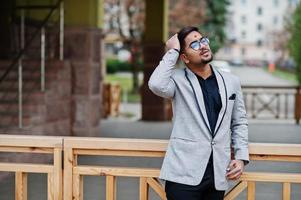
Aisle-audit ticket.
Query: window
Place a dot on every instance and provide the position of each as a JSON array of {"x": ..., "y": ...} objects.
[
  {"x": 243, "y": 51},
  {"x": 275, "y": 20},
  {"x": 259, "y": 27},
  {"x": 276, "y": 3},
  {"x": 259, "y": 11},
  {"x": 243, "y": 2},
  {"x": 243, "y": 19},
  {"x": 243, "y": 34},
  {"x": 259, "y": 43},
  {"x": 227, "y": 50},
  {"x": 292, "y": 2}
]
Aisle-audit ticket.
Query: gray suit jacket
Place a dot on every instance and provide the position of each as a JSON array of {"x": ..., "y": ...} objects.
[{"x": 191, "y": 141}]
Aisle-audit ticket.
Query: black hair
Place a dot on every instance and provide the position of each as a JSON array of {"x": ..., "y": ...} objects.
[{"x": 182, "y": 34}]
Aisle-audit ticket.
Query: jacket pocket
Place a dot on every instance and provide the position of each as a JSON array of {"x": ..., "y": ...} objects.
[{"x": 183, "y": 139}]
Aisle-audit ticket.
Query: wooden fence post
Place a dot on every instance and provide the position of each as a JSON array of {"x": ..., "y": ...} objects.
[
  {"x": 21, "y": 186},
  {"x": 58, "y": 173},
  {"x": 68, "y": 173},
  {"x": 143, "y": 191}
]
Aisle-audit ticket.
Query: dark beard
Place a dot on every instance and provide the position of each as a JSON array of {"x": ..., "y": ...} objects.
[{"x": 208, "y": 60}]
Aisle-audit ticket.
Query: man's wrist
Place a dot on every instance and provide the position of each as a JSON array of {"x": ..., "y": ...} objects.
[
  {"x": 245, "y": 162},
  {"x": 177, "y": 50}
]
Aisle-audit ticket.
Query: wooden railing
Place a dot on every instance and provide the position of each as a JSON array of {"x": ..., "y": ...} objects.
[
  {"x": 268, "y": 152},
  {"x": 73, "y": 176},
  {"x": 273, "y": 102},
  {"x": 73, "y": 147},
  {"x": 34, "y": 144},
  {"x": 74, "y": 172}
]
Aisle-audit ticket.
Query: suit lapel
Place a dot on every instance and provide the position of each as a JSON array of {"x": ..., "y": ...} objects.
[
  {"x": 224, "y": 98},
  {"x": 197, "y": 90}
]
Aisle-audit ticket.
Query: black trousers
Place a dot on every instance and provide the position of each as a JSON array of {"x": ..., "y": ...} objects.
[{"x": 204, "y": 191}]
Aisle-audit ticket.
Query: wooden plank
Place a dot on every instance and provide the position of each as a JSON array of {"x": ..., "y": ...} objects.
[
  {"x": 25, "y": 167},
  {"x": 30, "y": 141},
  {"x": 236, "y": 190},
  {"x": 26, "y": 149},
  {"x": 271, "y": 177},
  {"x": 110, "y": 188},
  {"x": 157, "y": 187},
  {"x": 116, "y": 171},
  {"x": 116, "y": 143},
  {"x": 251, "y": 190},
  {"x": 78, "y": 193},
  {"x": 275, "y": 158},
  {"x": 20, "y": 186},
  {"x": 127, "y": 144},
  {"x": 131, "y": 153},
  {"x": 50, "y": 186},
  {"x": 286, "y": 191},
  {"x": 81, "y": 187},
  {"x": 143, "y": 189},
  {"x": 57, "y": 174},
  {"x": 68, "y": 172},
  {"x": 275, "y": 149}
]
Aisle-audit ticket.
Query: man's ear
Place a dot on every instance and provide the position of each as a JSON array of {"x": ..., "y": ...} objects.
[{"x": 183, "y": 57}]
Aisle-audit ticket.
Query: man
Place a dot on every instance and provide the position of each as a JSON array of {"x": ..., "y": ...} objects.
[{"x": 209, "y": 118}]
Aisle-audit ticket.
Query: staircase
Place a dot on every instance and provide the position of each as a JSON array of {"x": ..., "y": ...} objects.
[{"x": 43, "y": 112}]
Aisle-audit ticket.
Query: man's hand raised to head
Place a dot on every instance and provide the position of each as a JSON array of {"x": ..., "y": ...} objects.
[{"x": 173, "y": 43}]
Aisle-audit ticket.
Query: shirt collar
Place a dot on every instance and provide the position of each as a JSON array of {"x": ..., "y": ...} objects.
[{"x": 209, "y": 77}]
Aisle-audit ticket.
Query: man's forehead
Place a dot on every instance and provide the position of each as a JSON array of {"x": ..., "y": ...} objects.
[{"x": 194, "y": 35}]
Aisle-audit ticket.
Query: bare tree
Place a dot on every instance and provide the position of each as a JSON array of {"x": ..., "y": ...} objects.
[
  {"x": 126, "y": 17},
  {"x": 185, "y": 13}
]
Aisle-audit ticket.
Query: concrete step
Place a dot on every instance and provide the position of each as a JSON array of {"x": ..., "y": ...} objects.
[
  {"x": 32, "y": 69},
  {"x": 28, "y": 107},
  {"x": 13, "y": 121},
  {"x": 33, "y": 63},
  {"x": 12, "y": 96},
  {"x": 32, "y": 85},
  {"x": 28, "y": 77},
  {"x": 49, "y": 128}
]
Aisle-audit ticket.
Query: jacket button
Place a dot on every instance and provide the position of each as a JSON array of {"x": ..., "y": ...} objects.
[{"x": 213, "y": 143}]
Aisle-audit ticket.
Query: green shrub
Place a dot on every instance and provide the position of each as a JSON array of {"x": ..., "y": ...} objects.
[
  {"x": 294, "y": 42},
  {"x": 114, "y": 65}
]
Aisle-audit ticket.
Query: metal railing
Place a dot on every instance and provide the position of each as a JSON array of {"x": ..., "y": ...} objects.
[
  {"x": 273, "y": 102},
  {"x": 73, "y": 172},
  {"x": 26, "y": 44}
]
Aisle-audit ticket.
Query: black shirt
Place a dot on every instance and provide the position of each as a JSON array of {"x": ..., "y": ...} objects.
[{"x": 212, "y": 98}]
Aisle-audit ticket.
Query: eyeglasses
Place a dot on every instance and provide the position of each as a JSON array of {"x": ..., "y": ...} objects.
[{"x": 195, "y": 45}]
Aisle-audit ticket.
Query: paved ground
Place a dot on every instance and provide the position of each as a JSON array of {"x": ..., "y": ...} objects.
[
  {"x": 275, "y": 132},
  {"x": 258, "y": 76}
]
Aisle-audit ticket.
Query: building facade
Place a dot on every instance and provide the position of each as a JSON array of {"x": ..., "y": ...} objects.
[{"x": 253, "y": 29}]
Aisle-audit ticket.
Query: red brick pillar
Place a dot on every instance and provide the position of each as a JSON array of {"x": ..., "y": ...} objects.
[
  {"x": 83, "y": 50},
  {"x": 154, "y": 108}
]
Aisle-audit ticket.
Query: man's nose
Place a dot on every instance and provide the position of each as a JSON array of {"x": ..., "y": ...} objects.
[{"x": 202, "y": 46}]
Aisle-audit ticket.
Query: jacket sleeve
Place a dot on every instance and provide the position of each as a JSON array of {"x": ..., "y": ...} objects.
[
  {"x": 161, "y": 82},
  {"x": 239, "y": 127}
]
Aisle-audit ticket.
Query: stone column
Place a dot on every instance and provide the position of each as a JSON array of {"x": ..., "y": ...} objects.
[
  {"x": 154, "y": 108},
  {"x": 83, "y": 48}
]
